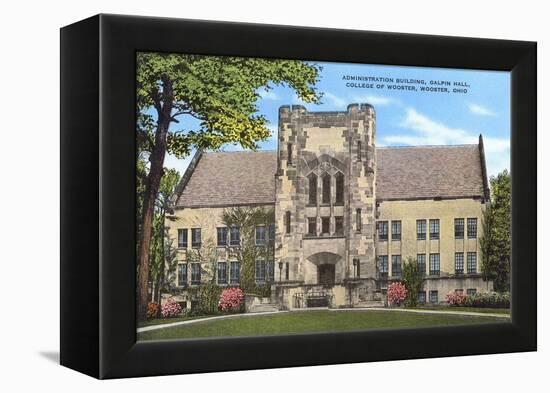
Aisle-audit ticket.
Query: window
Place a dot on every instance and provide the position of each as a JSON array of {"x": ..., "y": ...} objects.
[
  {"x": 312, "y": 226},
  {"x": 222, "y": 236},
  {"x": 289, "y": 152},
  {"x": 358, "y": 268},
  {"x": 326, "y": 188},
  {"x": 260, "y": 235},
  {"x": 339, "y": 225},
  {"x": 339, "y": 188},
  {"x": 434, "y": 229},
  {"x": 287, "y": 222},
  {"x": 459, "y": 291},
  {"x": 182, "y": 274},
  {"x": 235, "y": 273},
  {"x": 234, "y": 236},
  {"x": 396, "y": 230},
  {"x": 396, "y": 265},
  {"x": 383, "y": 265},
  {"x": 472, "y": 228},
  {"x": 222, "y": 273},
  {"x": 196, "y": 237},
  {"x": 382, "y": 230},
  {"x": 287, "y": 271},
  {"x": 260, "y": 272},
  {"x": 421, "y": 229},
  {"x": 325, "y": 225},
  {"x": 195, "y": 273},
  {"x": 459, "y": 263},
  {"x": 270, "y": 271},
  {"x": 434, "y": 264},
  {"x": 421, "y": 261},
  {"x": 271, "y": 233},
  {"x": 471, "y": 291},
  {"x": 182, "y": 238},
  {"x": 358, "y": 221},
  {"x": 472, "y": 263},
  {"x": 459, "y": 228},
  {"x": 312, "y": 181},
  {"x": 359, "y": 150},
  {"x": 421, "y": 297},
  {"x": 434, "y": 297}
]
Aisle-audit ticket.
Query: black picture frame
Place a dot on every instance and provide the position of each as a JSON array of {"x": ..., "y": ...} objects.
[{"x": 98, "y": 286}]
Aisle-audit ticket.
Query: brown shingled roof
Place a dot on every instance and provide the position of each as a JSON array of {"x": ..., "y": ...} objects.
[
  {"x": 240, "y": 178},
  {"x": 428, "y": 172},
  {"x": 231, "y": 178}
]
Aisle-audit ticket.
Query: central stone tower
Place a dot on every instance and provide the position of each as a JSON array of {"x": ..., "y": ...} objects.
[{"x": 325, "y": 205}]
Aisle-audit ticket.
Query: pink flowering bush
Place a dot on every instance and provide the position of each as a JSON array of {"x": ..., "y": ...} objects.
[
  {"x": 231, "y": 299},
  {"x": 456, "y": 298},
  {"x": 396, "y": 293},
  {"x": 170, "y": 309}
]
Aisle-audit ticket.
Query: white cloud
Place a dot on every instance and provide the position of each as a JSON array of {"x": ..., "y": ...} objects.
[
  {"x": 268, "y": 95},
  {"x": 374, "y": 100},
  {"x": 427, "y": 131},
  {"x": 335, "y": 100},
  {"x": 480, "y": 110},
  {"x": 341, "y": 103},
  {"x": 179, "y": 164}
]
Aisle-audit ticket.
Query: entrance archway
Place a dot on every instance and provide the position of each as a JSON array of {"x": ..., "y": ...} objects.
[{"x": 326, "y": 267}]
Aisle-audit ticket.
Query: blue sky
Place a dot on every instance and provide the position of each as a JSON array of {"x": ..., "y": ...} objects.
[{"x": 405, "y": 117}]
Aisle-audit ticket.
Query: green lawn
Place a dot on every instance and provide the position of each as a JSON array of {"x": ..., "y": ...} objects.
[
  {"x": 310, "y": 321},
  {"x": 470, "y": 309}
]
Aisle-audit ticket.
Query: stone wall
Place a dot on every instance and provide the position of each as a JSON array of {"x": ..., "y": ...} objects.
[{"x": 318, "y": 144}]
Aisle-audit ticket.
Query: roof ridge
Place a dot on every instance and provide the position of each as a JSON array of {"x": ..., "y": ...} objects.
[
  {"x": 426, "y": 146},
  {"x": 241, "y": 151}
]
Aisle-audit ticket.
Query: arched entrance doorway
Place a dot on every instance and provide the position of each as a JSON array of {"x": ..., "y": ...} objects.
[{"x": 326, "y": 267}]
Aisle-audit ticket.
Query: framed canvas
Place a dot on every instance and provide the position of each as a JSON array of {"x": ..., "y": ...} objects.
[{"x": 296, "y": 196}]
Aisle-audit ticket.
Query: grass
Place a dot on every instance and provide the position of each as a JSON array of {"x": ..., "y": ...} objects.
[
  {"x": 481, "y": 310},
  {"x": 309, "y": 322}
]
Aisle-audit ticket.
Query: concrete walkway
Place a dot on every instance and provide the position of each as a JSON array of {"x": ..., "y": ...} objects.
[
  {"x": 425, "y": 311},
  {"x": 193, "y": 321}
]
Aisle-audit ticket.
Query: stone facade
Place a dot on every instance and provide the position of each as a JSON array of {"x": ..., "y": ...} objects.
[{"x": 329, "y": 198}]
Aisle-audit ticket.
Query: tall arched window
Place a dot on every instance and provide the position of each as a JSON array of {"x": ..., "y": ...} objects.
[
  {"x": 312, "y": 179},
  {"x": 326, "y": 188},
  {"x": 339, "y": 187},
  {"x": 287, "y": 221}
]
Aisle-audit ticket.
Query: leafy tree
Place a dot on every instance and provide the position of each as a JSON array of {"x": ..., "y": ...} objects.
[
  {"x": 159, "y": 252},
  {"x": 246, "y": 252},
  {"x": 220, "y": 94},
  {"x": 413, "y": 280},
  {"x": 495, "y": 238}
]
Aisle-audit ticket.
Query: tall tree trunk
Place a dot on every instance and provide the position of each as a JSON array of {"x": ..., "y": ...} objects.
[
  {"x": 160, "y": 277},
  {"x": 151, "y": 191}
]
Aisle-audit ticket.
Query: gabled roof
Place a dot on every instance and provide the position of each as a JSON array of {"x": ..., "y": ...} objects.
[
  {"x": 417, "y": 172},
  {"x": 229, "y": 179}
]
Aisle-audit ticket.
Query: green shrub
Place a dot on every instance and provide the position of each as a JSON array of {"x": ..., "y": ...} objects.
[
  {"x": 207, "y": 297},
  {"x": 488, "y": 299},
  {"x": 413, "y": 280},
  {"x": 261, "y": 290}
]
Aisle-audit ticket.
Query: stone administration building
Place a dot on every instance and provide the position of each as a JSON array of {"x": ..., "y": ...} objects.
[{"x": 347, "y": 214}]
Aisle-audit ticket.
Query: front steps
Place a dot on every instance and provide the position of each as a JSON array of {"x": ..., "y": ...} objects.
[
  {"x": 369, "y": 304},
  {"x": 265, "y": 307}
]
